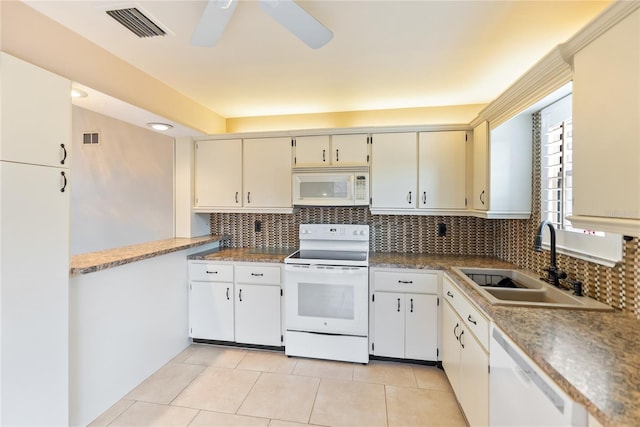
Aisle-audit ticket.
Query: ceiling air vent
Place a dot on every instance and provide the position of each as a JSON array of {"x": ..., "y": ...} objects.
[{"x": 137, "y": 22}]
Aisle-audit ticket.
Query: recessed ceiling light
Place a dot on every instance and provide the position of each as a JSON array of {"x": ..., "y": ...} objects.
[
  {"x": 77, "y": 93},
  {"x": 160, "y": 126}
]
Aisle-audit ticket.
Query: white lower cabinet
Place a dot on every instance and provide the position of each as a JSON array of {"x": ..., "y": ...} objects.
[
  {"x": 404, "y": 314},
  {"x": 235, "y": 302},
  {"x": 465, "y": 356}
]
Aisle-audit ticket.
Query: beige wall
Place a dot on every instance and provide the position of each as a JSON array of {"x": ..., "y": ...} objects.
[
  {"x": 35, "y": 38},
  {"x": 460, "y": 114}
]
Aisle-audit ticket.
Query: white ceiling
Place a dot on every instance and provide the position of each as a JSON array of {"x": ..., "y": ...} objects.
[{"x": 384, "y": 54}]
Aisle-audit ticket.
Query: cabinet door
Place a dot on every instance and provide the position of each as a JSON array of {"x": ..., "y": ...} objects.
[
  {"x": 312, "y": 151},
  {"x": 421, "y": 327},
  {"x": 480, "y": 198},
  {"x": 267, "y": 173},
  {"x": 474, "y": 381},
  {"x": 34, "y": 278},
  {"x": 606, "y": 129},
  {"x": 211, "y": 310},
  {"x": 394, "y": 170},
  {"x": 36, "y": 114},
  {"x": 349, "y": 150},
  {"x": 451, "y": 328},
  {"x": 258, "y": 314},
  {"x": 389, "y": 324},
  {"x": 219, "y": 173},
  {"x": 441, "y": 171}
]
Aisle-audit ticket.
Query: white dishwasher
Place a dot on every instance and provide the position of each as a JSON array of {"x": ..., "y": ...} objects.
[{"x": 520, "y": 394}]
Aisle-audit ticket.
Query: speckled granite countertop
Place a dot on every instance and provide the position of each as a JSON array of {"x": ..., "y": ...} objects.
[
  {"x": 275, "y": 255},
  {"x": 593, "y": 356},
  {"x": 101, "y": 260}
]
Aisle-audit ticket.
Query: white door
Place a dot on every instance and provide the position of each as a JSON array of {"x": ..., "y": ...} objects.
[
  {"x": 349, "y": 150},
  {"x": 257, "y": 317},
  {"x": 389, "y": 324},
  {"x": 480, "y": 197},
  {"x": 218, "y": 175},
  {"x": 451, "y": 328},
  {"x": 312, "y": 151},
  {"x": 34, "y": 278},
  {"x": 394, "y": 170},
  {"x": 266, "y": 173},
  {"x": 474, "y": 380},
  {"x": 421, "y": 327},
  {"x": 36, "y": 114},
  {"x": 211, "y": 310},
  {"x": 442, "y": 170}
]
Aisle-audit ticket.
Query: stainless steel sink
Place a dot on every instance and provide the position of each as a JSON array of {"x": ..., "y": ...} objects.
[{"x": 517, "y": 288}]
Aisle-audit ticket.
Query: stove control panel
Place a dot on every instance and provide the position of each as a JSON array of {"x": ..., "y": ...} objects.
[{"x": 334, "y": 232}]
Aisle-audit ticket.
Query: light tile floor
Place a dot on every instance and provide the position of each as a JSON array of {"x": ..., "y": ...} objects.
[{"x": 208, "y": 385}]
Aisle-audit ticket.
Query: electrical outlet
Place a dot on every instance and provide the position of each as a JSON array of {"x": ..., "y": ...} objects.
[
  {"x": 442, "y": 230},
  {"x": 257, "y": 226}
]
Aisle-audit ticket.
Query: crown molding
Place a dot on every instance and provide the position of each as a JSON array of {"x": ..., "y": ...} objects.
[{"x": 552, "y": 71}]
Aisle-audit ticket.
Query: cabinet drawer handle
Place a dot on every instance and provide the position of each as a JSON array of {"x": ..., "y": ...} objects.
[
  {"x": 482, "y": 197},
  {"x": 406, "y": 282},
  {"x": 470, "y": 319},
  {"x": 337, "y": 157},
  {"x": 449, "y": 294},
  {"x": 411, "y": 305},
  {"x": 211, "y": 272},
  {"x": 398, "y": 305},
  {"x": 240, "y": 295},
  {"x": 64, "y": 154},
  {"x": 257, "y": 274},
  {"x": 227, "y": 294},
  {"x": 64, "y": 184},
  {"x": 461, "y": 343}
]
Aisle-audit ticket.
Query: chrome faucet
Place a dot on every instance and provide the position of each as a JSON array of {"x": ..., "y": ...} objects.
[{"x": 554, "y": 274}]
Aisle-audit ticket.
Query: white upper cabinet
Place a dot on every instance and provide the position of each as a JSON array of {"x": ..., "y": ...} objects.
[
  {"x": 502, "y": 168},
  {"x": 312, "y": 151},
  {"x": 394, "y": 171},
  {"x": 442, "y": 170},
  {"x": 350, "y": 150},
  {"x": 241, "y": 175},
  {"x": 219, "y": 173},
  {"x": 36, "y": 114},
  {"x": 266, "y": 173},
  {"x": 331, "y": 150},
  {"x": 606, "y": 131}
]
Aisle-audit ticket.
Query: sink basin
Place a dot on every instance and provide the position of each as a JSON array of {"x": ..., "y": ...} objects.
[{"x": 517, "y": 288}]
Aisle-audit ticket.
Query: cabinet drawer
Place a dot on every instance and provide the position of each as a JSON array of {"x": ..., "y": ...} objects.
[
  {"x": 210, "y": 272},
  {"x": 405, "y": 282},
  {"x": 258, "y": 274},
  {"x": 473, "y": 319}
]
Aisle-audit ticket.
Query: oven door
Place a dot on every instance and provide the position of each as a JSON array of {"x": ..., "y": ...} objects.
[{"x": 327, "y": 299}]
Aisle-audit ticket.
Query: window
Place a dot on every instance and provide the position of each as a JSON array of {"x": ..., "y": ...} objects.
[{"x": 556, "y": 180}]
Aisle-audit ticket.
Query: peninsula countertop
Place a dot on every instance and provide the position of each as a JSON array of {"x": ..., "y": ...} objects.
[
  {"x": 593, "y": 356},
  {"x": 101, "y": 260}
]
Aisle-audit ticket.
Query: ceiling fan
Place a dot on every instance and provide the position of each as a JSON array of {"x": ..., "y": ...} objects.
[{"x": 288, "y": 13}]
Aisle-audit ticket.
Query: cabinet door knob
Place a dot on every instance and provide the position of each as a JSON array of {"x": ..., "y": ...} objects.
[
  {"x": 240, "y": 295},
  {"x": 409, "y": 197},
  {"x": 64, "y": 154},
  {"x": 424, "y": 197},
  {"x": 461, "y": 343},
  {"x": 236, "y": 197},
  {"x": 227, "y": 294},
  {"x": 482, "y": 197},
  {"x": 323, "y": 155},
  {"x": 64, "y": 183},
  {"x": 411, "y": 305},
  {"x": 337, "y": 156},
  {"x": 454, "y": 331},
  {"x": 398, "y": 305},
  {"x": 248, "y": 196}
]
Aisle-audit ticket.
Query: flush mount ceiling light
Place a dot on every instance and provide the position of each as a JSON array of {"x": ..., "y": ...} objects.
[
  {"x": 159, "y": 126},
  {"x": 77, "y": 93}
]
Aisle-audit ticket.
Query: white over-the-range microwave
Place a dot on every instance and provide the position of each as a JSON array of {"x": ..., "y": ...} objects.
[{"x": 336, "y": 187}]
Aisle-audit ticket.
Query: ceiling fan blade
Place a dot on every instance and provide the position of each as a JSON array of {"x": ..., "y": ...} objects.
[
  {"x": 213, "y": 21},
  {"x": 298, "y": 22}
]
